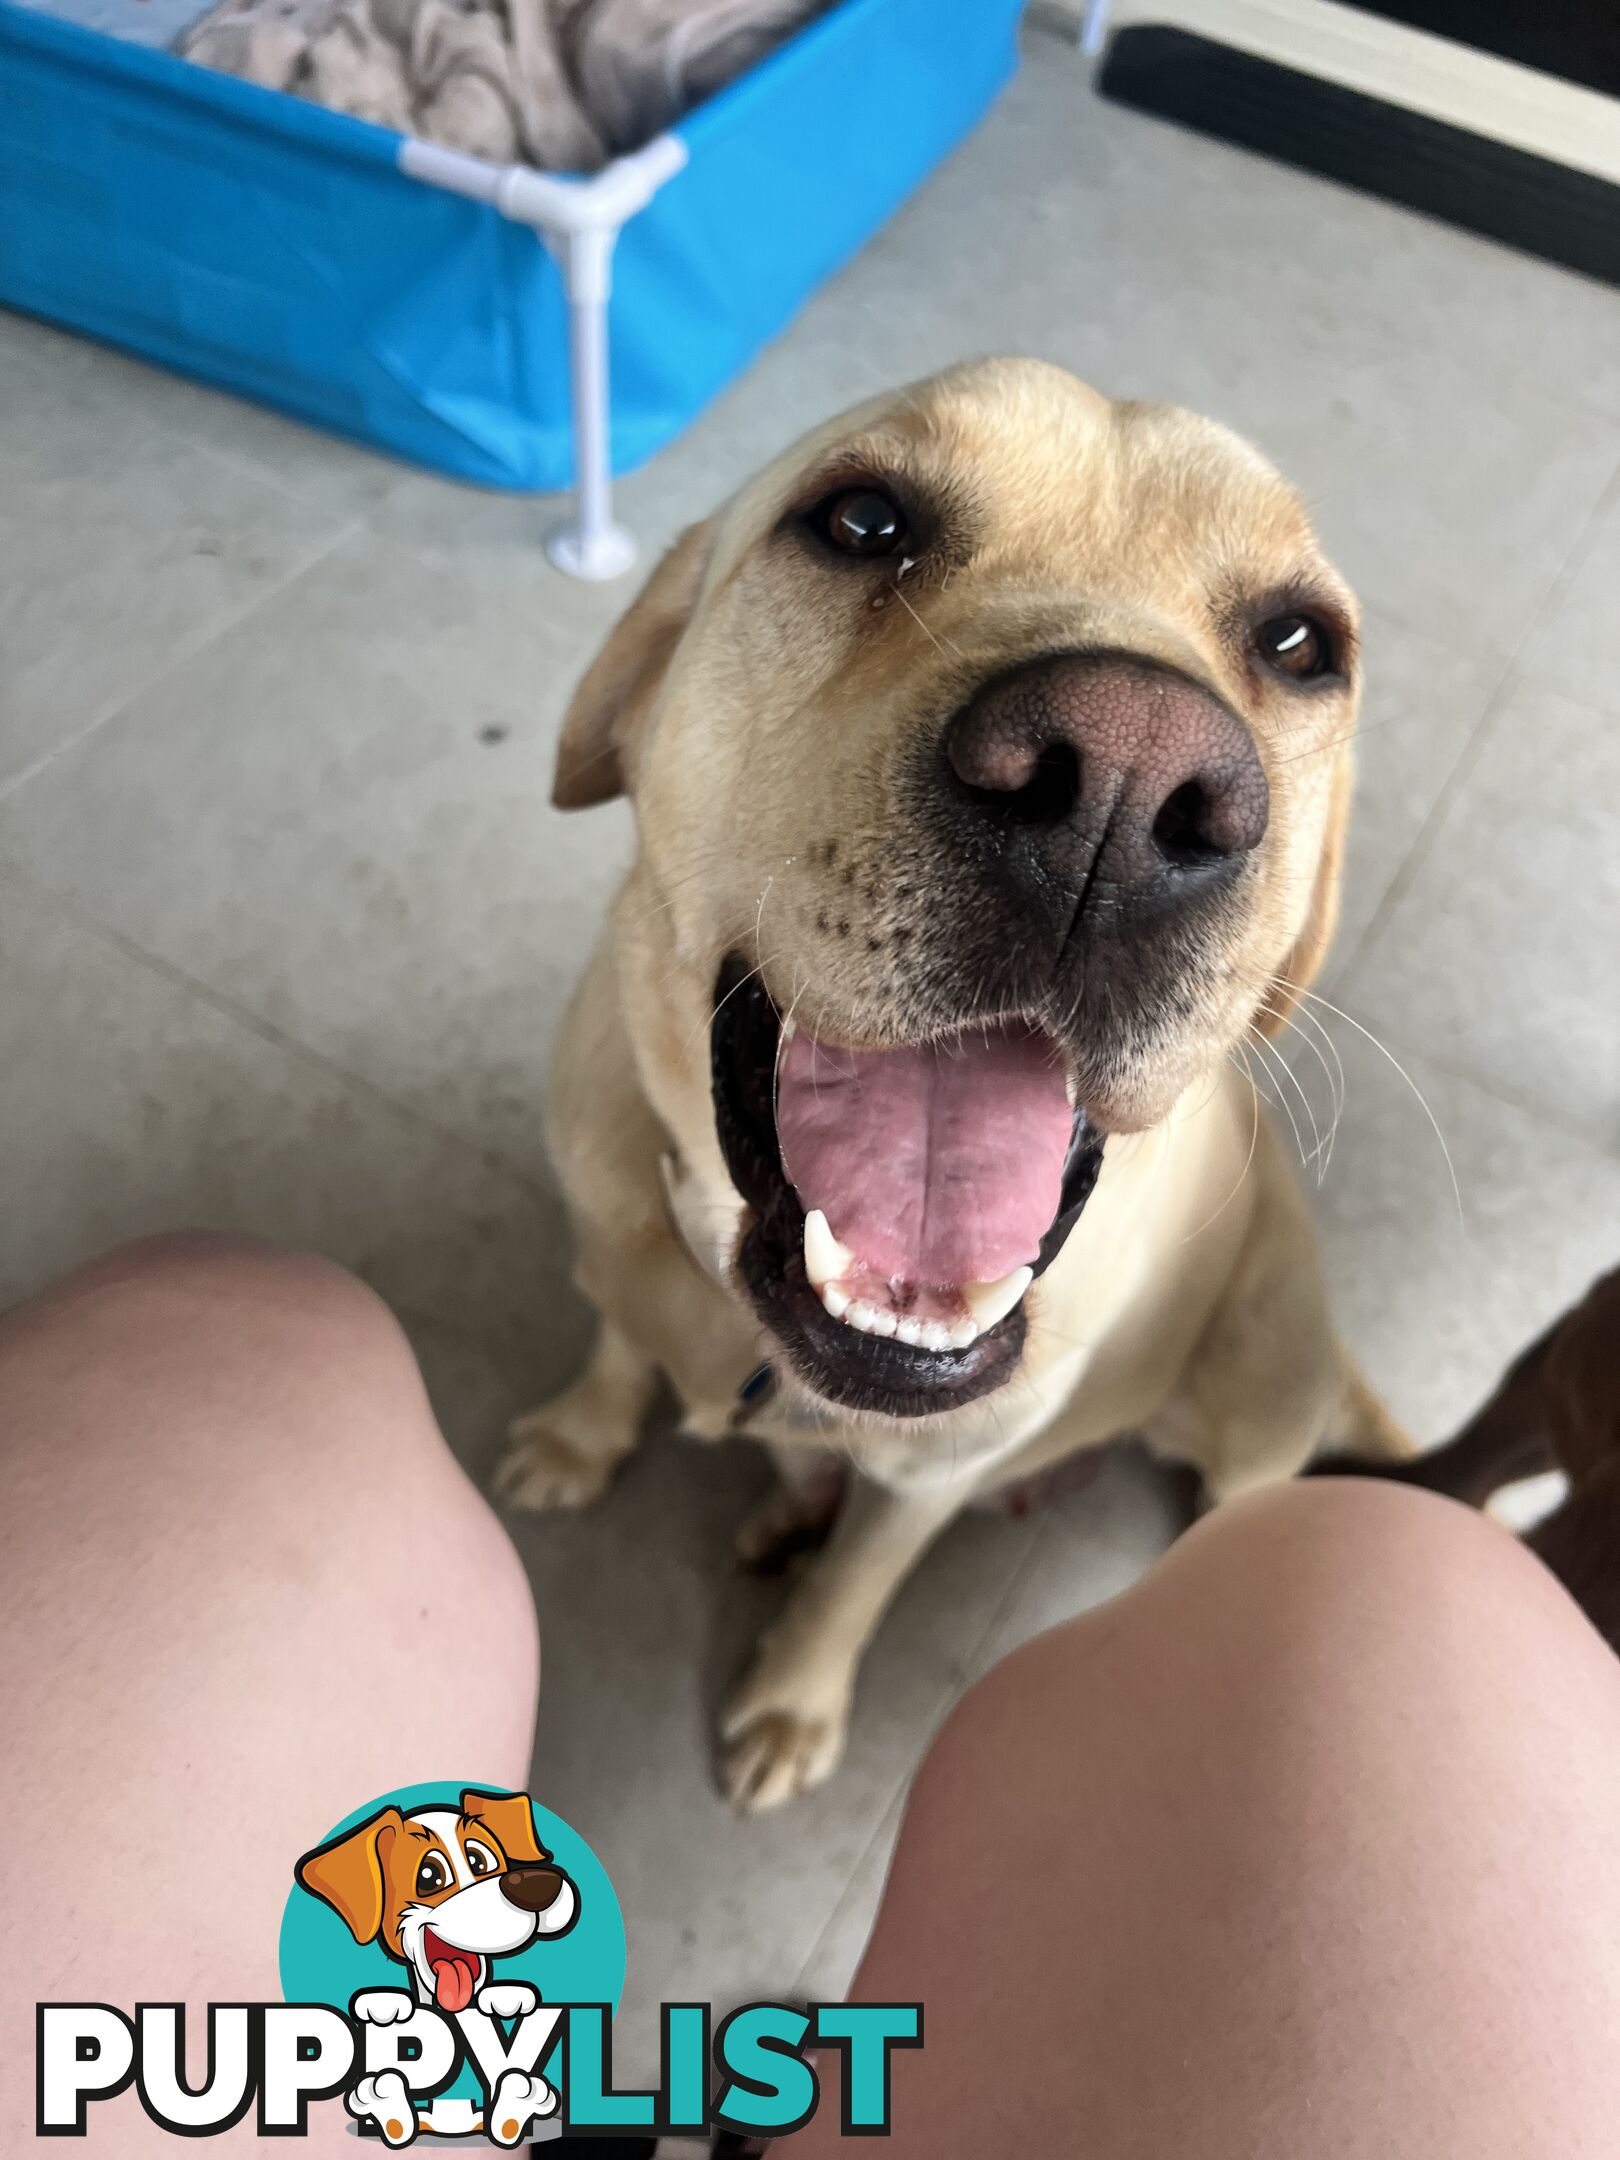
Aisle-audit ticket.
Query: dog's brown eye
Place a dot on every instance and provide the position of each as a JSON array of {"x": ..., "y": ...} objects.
[
  {"x": 862, "y": 521},
  {"x": 433, "y": 1875},
  {"x": 480, "y": 1859},
  {"x": 1295, "y": 645}
]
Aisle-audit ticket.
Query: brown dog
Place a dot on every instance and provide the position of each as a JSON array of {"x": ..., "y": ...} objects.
[
  {"x": 1558, "y": 1408},
  {"x": 990, "y": 763}
]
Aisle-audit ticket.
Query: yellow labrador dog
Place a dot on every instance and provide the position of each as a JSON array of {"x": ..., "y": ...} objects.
[{"x": 990, "y": 760}]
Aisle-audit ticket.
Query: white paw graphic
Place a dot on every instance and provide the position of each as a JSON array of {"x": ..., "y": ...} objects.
[
  {"x": 383, "y": 2006},
  {"x": 507, "y": 1998},
  {"x": 384, "y": 2101},
  {"x": 518, "y": 2100}
]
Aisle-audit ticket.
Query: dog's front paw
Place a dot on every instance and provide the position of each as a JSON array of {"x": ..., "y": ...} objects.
[
  {"x": 384, "y": 2100},
  {"x": 783, "y": 1735},
  {"x": 517, "y": 2101},
  {"x": 508, "y": 1998},
  {"x": 543, "y": 1470},
  {"x": 777, "y": 1756},
  {"x": 382, "y": 2006}
]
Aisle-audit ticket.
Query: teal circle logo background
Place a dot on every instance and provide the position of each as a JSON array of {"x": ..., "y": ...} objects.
[{"x": 321, "y": 1961}]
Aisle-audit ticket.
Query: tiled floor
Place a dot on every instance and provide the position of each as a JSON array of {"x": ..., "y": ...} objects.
[{"x": 284, "y": 938}]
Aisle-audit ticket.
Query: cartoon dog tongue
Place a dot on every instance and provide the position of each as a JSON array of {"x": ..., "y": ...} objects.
[{"x": 454, "y": 1972}]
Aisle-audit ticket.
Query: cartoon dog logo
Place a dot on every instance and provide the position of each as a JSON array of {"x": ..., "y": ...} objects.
[{"x": 444, "y": 1892}]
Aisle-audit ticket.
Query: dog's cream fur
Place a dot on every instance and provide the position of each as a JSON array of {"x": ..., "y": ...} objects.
[{"x": 752, "y": 704}]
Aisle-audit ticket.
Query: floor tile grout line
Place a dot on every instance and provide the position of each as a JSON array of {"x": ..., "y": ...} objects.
[
  {"x": 179, "y": 656},
  {"x": 175, "y": 428},
  {"x": 1463, "y": 765},
  {"x": 551, "y": 584},
  {"x": 892, "y": 1807},
  {"x": 1585, "y": 1136},
  {"x": 1456, "y": 776},
  {"x": 248, "y": 468},
  {"x": 949, "y": 1696},
  {"x": 1020, "y": 1575},
  {"x": 177, "y": 978},
  {"x": 367, "y": 518},
  {"x": 1423, "y": 1055}
]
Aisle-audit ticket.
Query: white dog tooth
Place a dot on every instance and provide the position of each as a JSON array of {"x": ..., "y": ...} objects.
[
  {"x": 910, "y": 1331},
  {"x": 870, "y": 1319},
  {"x": 936, "y": 1335},
  {"x": 989, "y": 1302},
  {"x": 835, "y": 1300},
  {"x": 824, "y": 1258},
  {"x": 964, "y": 1332}
]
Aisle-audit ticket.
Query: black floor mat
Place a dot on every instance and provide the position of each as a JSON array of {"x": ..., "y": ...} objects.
[{"x": 1527, "y": 202}]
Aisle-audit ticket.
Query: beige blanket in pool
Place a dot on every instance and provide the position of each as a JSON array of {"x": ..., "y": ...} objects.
[{"x": 562, "y": 84}]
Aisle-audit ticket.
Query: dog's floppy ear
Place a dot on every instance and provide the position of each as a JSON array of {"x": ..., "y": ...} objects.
[
  {"x": 511, "y": 1818},
  {"x": 348, "y": 1873},
  {"x": 1310, "y": 948},
  {"x": 622, "y": 681}
]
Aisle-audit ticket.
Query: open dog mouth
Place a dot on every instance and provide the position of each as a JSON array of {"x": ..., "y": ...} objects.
[
  {"x": 903, "y": 1199},
  {"x": 456, "y": 1972}
]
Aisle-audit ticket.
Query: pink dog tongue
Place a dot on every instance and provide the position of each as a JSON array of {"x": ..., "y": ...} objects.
[
  {"x": 937, "y": 1165},
  {"x": 453, "y": 1978}
]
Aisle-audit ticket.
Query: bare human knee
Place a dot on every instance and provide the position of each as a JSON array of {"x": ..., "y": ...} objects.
[
  {"x": 1345, "y": 1754},
  {"x": 206, "y": 1280},
  {"x": 241, "y": 1575},
  {"x": 1325, "y": 1620},
  {"x": 232, "y": 1392},
  {"x": 227, "y": 1340},
  {"x": 1384, "y": 1575}
]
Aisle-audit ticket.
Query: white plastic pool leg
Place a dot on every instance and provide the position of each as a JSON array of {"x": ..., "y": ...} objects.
[
  {"x": 579, "y": 220},
  {"x": 590, "y": 545}
]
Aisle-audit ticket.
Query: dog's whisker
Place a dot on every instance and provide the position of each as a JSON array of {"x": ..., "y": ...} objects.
[
  {"x": 1275, "y": 1068},
  {"x": 759, "y": 911},
  {"x": 1322, "y": 1154},
  {"x": 674, "y": 889},
  {"x": 698, "y": 873},
  {"x": 706, "y": 1024},
  {"x": 1339, "y": 742},
  {"x": 1275, "y": 1062},
  {"x": 1322, "y": 1141},
  {"x": 1384, "y": 1051},
  {"x": 783, "y": 1033},
  {"x": 592, "y": 759},
  {"x": 1043, "y": 1331},
  {"x": 940, "y": 644},
  {"x": 1239, "y": 1050},
  {"x": 1301, "y": 1015},
  {"x": 758, "y": 969}
]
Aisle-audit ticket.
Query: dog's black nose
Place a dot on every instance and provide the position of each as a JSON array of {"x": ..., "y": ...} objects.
[
  {"x": 1107, "y": 776},
  {"x": 532, "y": 1887}
]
